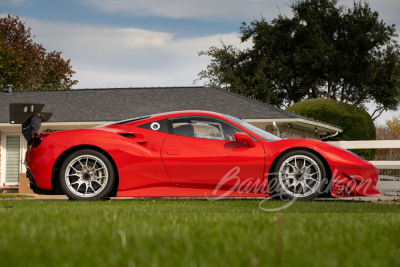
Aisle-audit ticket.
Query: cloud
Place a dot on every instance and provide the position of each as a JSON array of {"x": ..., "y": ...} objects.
[
  {"x": 192, "y": 9},
  {"x": 222, "y": 10},
  {"x": 11, "y": 2},
  {"x": 127, "y": 57}
]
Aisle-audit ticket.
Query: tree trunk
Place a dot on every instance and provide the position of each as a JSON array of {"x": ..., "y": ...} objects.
[
  {"x": 342, "y": 93},
  {"x": 328, "y": 95},
  {"x": 333, "y": 92},
  {"x": 314, "y": 90},
  {"x": 380, "y": 110}
]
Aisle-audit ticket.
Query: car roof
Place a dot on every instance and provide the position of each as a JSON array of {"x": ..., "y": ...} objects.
[{"x": 161, "y": 116}]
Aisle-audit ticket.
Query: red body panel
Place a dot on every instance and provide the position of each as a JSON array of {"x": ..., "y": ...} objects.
[
  {"x": 160, "y": 164},
  {"x": 208, "y": 161},
  {"x": 41, "y": 160}
]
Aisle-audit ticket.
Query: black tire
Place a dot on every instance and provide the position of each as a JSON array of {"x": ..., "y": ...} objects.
[
  {"x": 299, "y": 164},
  {"x": 96, "y": 174}
]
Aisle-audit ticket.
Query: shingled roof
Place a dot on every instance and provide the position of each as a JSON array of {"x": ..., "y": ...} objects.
[{"x": 90, "y": 105}]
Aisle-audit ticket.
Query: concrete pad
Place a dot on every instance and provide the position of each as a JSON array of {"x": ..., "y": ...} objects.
[
  {"x": 380, "y": 199},
  {"x": 37, "y": 196}
]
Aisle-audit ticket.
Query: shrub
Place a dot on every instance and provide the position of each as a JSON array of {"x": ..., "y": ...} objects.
[{"x": 355, "y": 122}]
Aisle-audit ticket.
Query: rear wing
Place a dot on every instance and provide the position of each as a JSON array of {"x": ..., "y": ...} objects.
[
  {"x": 30, "y": 116},
  {"x": 22, "y": 112}
]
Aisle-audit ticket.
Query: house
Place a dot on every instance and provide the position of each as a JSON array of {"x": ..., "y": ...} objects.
[{"x": 84, "y": 108}]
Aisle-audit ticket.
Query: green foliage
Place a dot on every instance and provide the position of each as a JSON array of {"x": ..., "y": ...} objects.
[
  {"x": 25, "y": 65},
  {"x": 7, "y": 59},
  {"x": 324, "y": 50},
  {"x": 355, "y": 122}
]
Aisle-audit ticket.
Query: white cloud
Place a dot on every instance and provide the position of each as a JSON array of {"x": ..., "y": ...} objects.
[
  {"x": 11, "y": 2},
  {"x": 221, "y": 10},
  {"x": 127, "y": 57},
  {"x": 193, "y": 9}
]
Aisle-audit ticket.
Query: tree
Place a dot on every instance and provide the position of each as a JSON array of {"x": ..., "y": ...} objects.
[
  {"x": 394, "y": 126},
  {"x": 390, "y": 131},
  {"x": 324, "y": 51},
  {"x": 25, "y": 65}
]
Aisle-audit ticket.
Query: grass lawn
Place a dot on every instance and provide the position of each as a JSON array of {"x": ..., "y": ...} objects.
[
  {"x": 198, "y": 233},
  {"x": 6, "y": 196}
]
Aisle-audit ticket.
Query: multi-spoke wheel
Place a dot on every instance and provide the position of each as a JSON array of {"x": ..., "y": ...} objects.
[
  {"x": 86, "y": 175},
  {"x": 298, "y": 174}
]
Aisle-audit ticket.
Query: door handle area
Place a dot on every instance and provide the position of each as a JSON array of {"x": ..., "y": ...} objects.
[{"x": 172, "y": 153}]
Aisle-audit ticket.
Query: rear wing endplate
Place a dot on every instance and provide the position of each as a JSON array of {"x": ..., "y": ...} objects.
[{"x": 21, "y": 112}]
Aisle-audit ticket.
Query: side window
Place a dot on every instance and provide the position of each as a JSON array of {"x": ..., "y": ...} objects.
[
  {"x": 203, "y": 127},
  {"x": 159, "y": 126}
]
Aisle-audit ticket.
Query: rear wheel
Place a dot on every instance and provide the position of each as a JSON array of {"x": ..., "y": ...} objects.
[
  {"x": 298, "y": 174},
  {"x": 87, "y": 175}
]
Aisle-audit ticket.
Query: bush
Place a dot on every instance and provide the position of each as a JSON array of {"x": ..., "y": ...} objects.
[{"x": 355, "y": 122}]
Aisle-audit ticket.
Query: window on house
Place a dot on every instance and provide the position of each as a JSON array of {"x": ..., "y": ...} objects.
[{"x": 12, "y": 158}]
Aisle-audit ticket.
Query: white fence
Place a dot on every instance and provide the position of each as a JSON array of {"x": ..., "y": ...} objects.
[{"x": 384, "y": 181}]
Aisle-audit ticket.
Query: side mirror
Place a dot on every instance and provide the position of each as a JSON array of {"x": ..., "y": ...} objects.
[{"x": 244, "y": 138}]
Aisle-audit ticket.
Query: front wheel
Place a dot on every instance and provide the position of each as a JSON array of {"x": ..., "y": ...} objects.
[
  {"x": 87, "y": 175},
  {"x": 298, "y": 174}
]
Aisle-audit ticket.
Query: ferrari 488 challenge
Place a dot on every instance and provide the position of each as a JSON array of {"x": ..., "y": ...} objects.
[{"x": 192, "y": 154}]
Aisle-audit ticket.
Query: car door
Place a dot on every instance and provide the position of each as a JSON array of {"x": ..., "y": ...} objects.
[{"x": 201, "y": 151}]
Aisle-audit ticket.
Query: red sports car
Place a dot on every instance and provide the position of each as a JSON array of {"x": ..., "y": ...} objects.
[{"x": 192, "y": 154}]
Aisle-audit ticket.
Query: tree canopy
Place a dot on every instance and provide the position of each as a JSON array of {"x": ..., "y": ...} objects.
[
  {"x": 25, "y": 65},
  {"x": 324, "y": 51}
]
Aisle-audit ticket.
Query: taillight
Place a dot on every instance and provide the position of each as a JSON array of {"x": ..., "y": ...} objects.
[
  {"x": 38, "y": 138},
  {"x": 43, "y": 136}
]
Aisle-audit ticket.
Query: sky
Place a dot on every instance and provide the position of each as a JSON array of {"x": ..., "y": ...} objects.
[{"x": 138, "y": 43}]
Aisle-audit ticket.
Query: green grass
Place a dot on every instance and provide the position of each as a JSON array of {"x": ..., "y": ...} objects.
[
  {"x": 198, "y": 233},
  {"x": 6, "y": 196}
]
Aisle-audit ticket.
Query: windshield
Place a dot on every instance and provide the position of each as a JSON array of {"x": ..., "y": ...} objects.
[{"x": 261, "y": 133}]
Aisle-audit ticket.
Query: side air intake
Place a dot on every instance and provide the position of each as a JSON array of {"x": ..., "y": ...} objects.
[{"x": 127, "y": 135}]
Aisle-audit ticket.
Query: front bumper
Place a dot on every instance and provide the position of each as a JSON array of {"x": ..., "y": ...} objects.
[{"x": 352, "y": 181}]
